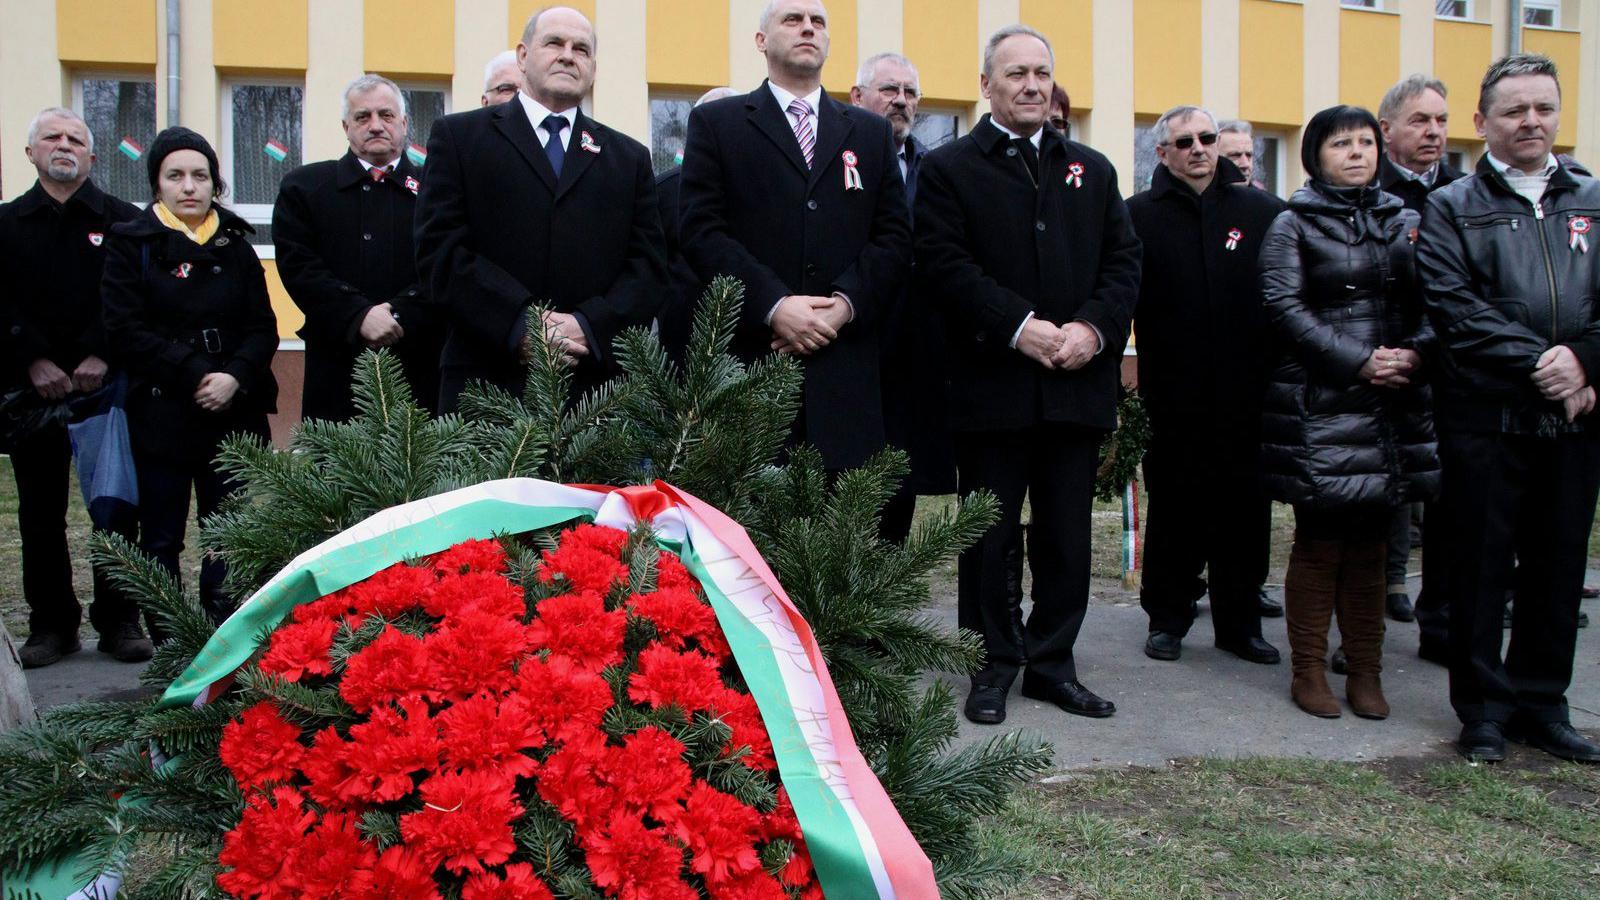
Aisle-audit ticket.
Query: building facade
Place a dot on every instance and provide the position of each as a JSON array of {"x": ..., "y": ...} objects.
[{"x": 262, "y": 78}]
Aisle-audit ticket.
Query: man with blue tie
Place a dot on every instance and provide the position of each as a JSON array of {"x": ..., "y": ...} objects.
[
  {"x": 533, "y": 202},
  {"x": 800, "y": 197}
]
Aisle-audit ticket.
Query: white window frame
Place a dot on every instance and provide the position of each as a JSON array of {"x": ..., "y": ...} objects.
[
  {"x": 79, "y": 77},
  {"x": 1280, "y": 159},
  {"x": 962, "y": 114},
  {"x": 1554, "y": 6},
  {"x": 254, "y": 213},
  {"x": 1372, "y": 5},
  {"x": 1469, "y": 13}
]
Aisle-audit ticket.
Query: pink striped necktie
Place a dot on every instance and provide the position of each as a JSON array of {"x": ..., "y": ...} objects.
[{"x": 801, "y": 111}]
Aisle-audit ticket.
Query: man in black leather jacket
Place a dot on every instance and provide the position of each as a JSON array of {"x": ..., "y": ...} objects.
[{"x": 1511, "y": 280}]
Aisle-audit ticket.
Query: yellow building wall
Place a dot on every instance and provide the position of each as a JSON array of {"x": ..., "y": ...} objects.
[
  {"x": 290, "y": 318},
  {"x": 938, "y": 39},
  {"x": 1069, "y": 24},
  {"x": 1271, "y": 67},
  {"x": 1564, "y": 48},
  {"x": 259, "y": 35},
  {"x": 518, "y": 12},
  {"x": 1166, "y": 55},
  {"x": 1461, "y": 51},
  {"x": 839, "y": 75},
  {"x": 1369, "y": 56},
  {"x": 419, "y": 44},
  {"x": 109, "y": 33},
  {"x": 687, "y": 43}
]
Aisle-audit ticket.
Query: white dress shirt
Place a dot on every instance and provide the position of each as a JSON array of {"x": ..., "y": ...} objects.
[
  {"x": 537, "y": 114},
  {"x": 1531, "y": 187}
]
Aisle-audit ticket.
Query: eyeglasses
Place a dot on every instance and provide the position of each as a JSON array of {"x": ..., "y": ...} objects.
[
  {"x": 1206, "y": 138},
  {"x": 890, "y": 90},
  {"x": 504, "y": 87}
]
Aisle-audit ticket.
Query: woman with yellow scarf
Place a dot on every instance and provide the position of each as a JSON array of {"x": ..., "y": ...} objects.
[{"x": 185, "y": 307}]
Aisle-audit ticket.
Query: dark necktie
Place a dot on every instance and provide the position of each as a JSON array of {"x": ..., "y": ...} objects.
[
  {"x": 553, "y": 125},
  {"x": 1030, "y": 157}
]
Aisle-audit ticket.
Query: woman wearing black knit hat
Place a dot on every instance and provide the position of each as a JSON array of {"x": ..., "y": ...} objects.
[
  {"x": 1347, "y": 435},
  {"x": 186, "y": 312}
]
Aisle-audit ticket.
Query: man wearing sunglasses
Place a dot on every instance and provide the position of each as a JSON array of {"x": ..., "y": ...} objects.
[{"x": 1200, "y": 335}]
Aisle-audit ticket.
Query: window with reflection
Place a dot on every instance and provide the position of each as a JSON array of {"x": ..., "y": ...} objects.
[{"x": 121, "y": 115}]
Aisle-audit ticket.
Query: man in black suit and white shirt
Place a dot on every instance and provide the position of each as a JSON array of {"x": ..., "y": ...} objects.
[
  {"x": 1029, "y": 244},
  {"x": 800, "y": 197},
  {"x": 531, "y": 201}
]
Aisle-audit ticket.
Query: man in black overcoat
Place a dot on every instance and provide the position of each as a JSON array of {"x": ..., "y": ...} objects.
[
  {"x": 800, "y": 198},
  {"x": 1202, "y": 376},
  {"x": 1026, "y": 238},
  {"x": 533, "y": 202},
  {"x": 52, "y": 248},
  {"x": 343, "y": 232},
  {"x": 676, "y": 318}
]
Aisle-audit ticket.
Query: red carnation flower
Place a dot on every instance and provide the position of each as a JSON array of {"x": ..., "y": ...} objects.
[
  {"x": 671, "y": 574},
  {"x": 388, "y": 748},
  {"x": 476, "y": 652},
  {"x": 394, "y": 590},
  {"x": 471, "y": 556},
  {"x": 740, "y": 713},
  {"x": 632, "y": 862},
  {"x": 757, "y": 885},
  {"x": 577, "y": 628},
  {"x": 393, "y": 667},
  {"x": 721, "y": 834},
  {"x": 401, "y": 875},
  {"x": 665, "y": 678},
  {"x": 589, "y": 557},
  {"x": 260, "y": 746},
  {"x": 798, "y": 872},
  {"x": 781, "y": 823},
  {"x": 465, "y": 822},
  {"x": 333, "y": 860},
  {"x": 569, "y": 779},
  {"x": 564, "y": 700},
  {"x": 648, "y": 773},
  {"x": 680, "y": 617},
  {"x": 518, "y": 883},
  {"x": 483, "y": 592},
  {"x": 331, "y": 779},
  {"x": 483, "y": 733},
  {"x": 255, "y": 850},
  {"x": 300, "y": 649},
  {"x": 332, "y": 607}
]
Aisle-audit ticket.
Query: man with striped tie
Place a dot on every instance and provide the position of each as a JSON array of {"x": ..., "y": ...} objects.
[{"x": 800, "y": 198}]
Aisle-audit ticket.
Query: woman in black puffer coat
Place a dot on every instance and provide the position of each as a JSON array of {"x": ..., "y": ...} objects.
[{"x": 1347, "y": 435}]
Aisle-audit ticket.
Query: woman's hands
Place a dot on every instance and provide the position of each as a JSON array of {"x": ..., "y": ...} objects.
[
  {"x": 1390, "y": 367},
  {"x": 216, "y": 391}
]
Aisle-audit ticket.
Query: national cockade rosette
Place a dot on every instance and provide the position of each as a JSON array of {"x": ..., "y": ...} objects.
[{"x": 589, "y": 733}]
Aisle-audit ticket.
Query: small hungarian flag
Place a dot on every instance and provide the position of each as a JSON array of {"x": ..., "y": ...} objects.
[
  {"x": 277, "y": 151},
  {"x": 416, "y": 154},
  {"x": 130, "y": 149}
]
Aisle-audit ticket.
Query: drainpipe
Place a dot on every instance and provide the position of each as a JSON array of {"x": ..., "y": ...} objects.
[
  {"x": 173, "y": 56},
  {"x": 1514, "y": 45}
]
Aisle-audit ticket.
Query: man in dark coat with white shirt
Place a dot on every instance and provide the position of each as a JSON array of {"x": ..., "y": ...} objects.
[
  {"x": 533, "y": 202},
  {"x": 343, "y": 233},
  {"x": 800, "y": 198},
  {"x": 1026, "y": 238}
]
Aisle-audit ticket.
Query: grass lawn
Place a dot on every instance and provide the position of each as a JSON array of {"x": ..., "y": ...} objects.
[{"x": 1272, "y": 828}]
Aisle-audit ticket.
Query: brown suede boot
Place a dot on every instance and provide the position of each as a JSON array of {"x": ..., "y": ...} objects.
[
  {"x": 1308, "y": 596},
  {"x": 1360, "y": 609}
]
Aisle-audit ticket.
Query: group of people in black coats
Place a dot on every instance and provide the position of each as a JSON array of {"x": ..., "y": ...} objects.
[{"x": 1284, "y": 354}]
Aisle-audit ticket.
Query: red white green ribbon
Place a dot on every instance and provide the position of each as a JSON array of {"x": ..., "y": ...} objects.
[
  {"x": 858, "y": 843},
  {"x": 1579, "y": 227}
]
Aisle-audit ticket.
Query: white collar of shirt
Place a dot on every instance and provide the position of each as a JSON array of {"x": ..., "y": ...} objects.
[
  {"x": 1037, "y": 135},
  {"x": 1506, "y": 170},
  {"x": 905, "y": 165},
  {"x": 394, "y": 164},
  {"x": 536, "y": 116},
  {"x": 813, "y": 99},
  {"x": 1427, "y": 178}
]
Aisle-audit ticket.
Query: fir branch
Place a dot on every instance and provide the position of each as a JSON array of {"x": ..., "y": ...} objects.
[
  {"x": 188, "y": 729},
  {"x": 381, "y": 828},
  {"x": 178, "y": 615},
  {"x": 311, "y": 708}
]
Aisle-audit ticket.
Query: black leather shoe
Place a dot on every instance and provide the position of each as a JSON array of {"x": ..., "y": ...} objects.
[
  {"x": 1253, "y": 650},
  {"x": 1482, "y": 741},
  {"x": 1558, "y": 739},
  {"x": 45, "y": 649},
  {"x": 986, "y": 704},
  {"x": 1338, "y": 663},
  {"x": 127, "y": 644},
  {"x": 1161, "y": 645},
  {"x": 1434, "y": 652},
  {"x": 1270, "y": 608},
  {"x": 1071, "y": 696},
  {"x": 1583, "y": 620},
  {"x": 1398, "y": 605}
]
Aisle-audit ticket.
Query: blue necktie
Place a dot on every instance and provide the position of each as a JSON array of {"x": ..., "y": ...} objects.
[{"x": 553, "y": 126}]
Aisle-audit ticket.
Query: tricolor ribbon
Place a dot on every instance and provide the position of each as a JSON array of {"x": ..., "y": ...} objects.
[
  {"x": 412, "y": 185},
  {"x": 587, "y": 143},
  {"x": 1130, "y": 529},
  {"x": 852, "y": 176},
  {"x": 183, "y": 270},
  {"x": 1075, "y": 174},
  {"x": 858, "y": 842},
  {"x": 1579, "y": 228},
  {"x": 1234, "y": 236}
]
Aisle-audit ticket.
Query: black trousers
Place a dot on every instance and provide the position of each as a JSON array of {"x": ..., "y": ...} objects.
[
  {"x": 42, "y": 466},
  {"x": 1513, "y": 497},
  {"x": 1054, "y": 466},
  {"x": 164, "y": 485},
  {"x": 1210, "y": 518},
  {"x": 1400, "y": 546}
]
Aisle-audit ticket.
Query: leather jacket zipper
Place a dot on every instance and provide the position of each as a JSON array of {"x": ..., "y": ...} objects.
[{"x": 1549, "y": 271}]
